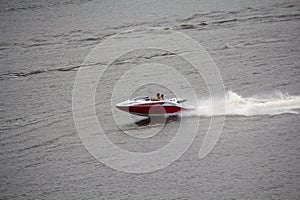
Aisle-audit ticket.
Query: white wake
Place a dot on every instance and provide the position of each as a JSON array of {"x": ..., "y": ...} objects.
[{"x": 234, "y": 104}]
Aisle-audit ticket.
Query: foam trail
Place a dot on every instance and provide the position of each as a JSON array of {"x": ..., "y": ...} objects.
[{"x": 235, "y": 104}]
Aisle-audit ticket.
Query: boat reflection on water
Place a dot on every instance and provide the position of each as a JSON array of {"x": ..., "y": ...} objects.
[{"x": 158, "y": 120}]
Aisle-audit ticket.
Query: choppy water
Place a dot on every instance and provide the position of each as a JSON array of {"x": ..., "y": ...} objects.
[{"x": 255, "y": 45}]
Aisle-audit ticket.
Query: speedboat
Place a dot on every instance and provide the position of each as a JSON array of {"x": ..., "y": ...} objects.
[{"x": 145, "y": 106}]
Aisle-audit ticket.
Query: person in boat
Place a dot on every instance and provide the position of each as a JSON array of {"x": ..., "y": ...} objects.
[
  {"x": 157, "y": 98},
  {"x": 162, "y": 97}
]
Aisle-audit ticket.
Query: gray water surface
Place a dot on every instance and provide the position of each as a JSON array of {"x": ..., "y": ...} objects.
[{"x": 255, "y": 45}]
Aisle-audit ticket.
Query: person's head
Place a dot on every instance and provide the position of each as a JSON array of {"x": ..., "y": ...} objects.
[
  {"x": 158, "y": 95},
  {"x": 162, "y": 96}
]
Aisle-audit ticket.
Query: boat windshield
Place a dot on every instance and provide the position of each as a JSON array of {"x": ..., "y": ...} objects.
[{"x": 142, "y": 98}]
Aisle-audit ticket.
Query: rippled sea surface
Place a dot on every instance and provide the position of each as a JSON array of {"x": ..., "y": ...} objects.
[{"x": 255, "y": 45}]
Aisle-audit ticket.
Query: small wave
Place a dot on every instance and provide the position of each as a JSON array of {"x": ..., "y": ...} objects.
[
  {"x": 225, "y": 21},
  {"x": 37, "y": 5},
  {"x": 185, "y": 26},
  {"x": 35, "y": 72},
  {"x": 147, "y": 57},
  {"x": 194, "y": 16},
  {"x": 286, "y": 5},
  {"x": 235, "y": 104},
  {"x": 220, "y": 18},
  {"x": 290, "y": 6},
  {"x": 283, "y": 17},
  {"x": 90, "y": 39},
  {"x": 40, "y": 71},
  {"x": 30, "y": 7},
  {"x": 41, "y": 44},
  {"x": 96, "y": 38},
  {"x": 262, "y": 41}
]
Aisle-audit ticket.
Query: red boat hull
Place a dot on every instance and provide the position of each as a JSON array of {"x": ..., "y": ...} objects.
[
  {"x": 156, "y": 109},
  {"x": 146, "y": 107}
]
